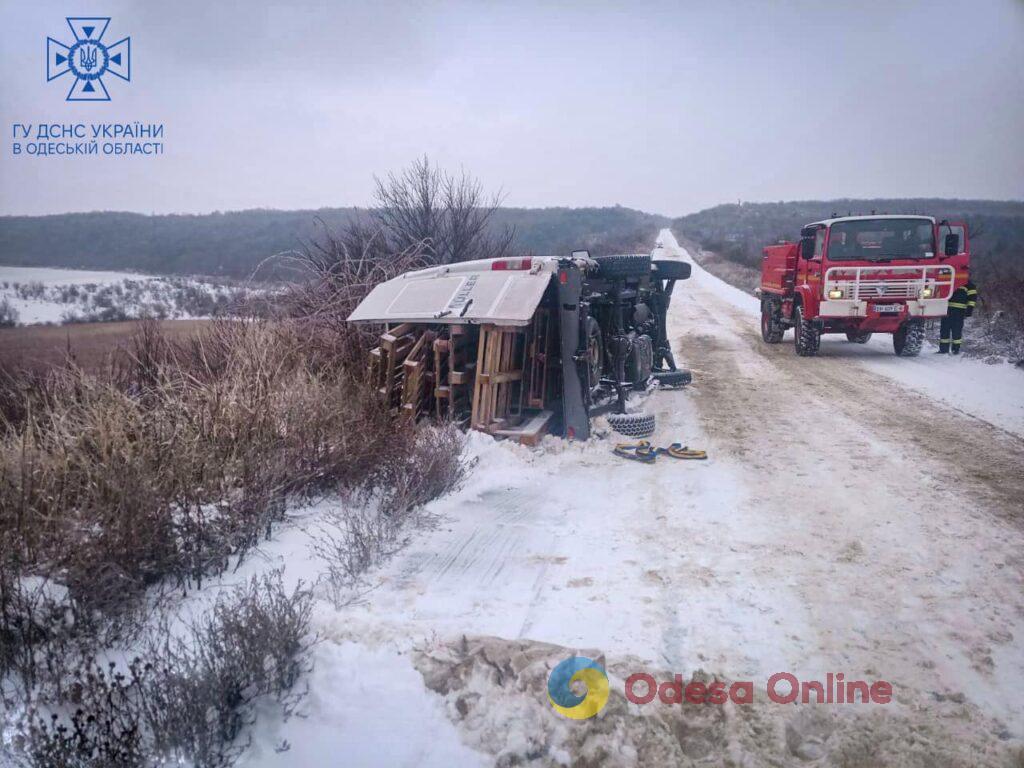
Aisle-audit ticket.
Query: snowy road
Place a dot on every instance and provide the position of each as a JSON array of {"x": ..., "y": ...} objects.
[{"x": 844, "y": 522}]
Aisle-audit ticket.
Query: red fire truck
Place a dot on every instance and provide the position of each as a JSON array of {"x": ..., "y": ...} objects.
[{"x": 860, "y": 275}]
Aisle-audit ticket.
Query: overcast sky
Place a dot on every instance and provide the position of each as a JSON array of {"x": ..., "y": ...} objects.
[{"x": 667, "y": 107}]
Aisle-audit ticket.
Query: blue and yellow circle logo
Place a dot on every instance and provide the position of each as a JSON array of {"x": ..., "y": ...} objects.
[{"x": 571, "y": 704}]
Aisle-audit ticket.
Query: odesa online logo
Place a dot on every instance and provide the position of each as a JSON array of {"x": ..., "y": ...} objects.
[{"x": 571, "y": 704}]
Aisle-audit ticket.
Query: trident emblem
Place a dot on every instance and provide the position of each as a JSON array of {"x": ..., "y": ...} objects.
[{"x": 88, "y": 57}]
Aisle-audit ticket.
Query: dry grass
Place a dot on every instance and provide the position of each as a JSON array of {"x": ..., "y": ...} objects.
[
  {"x": 179, "y": 455},
  {"x": 90, "y": 346}
]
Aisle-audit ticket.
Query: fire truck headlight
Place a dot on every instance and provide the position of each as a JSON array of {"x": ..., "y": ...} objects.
[
  {"x": 926, "y": 293},
  {"x": 835, "y": 293}
]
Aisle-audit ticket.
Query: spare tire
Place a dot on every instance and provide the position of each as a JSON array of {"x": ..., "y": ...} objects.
[
  {"x": 632, "y": 424},
  {"x": 671, "y": 270},
  {"x": 672, "y": 378},
  {"x": 623, "y": 265}
]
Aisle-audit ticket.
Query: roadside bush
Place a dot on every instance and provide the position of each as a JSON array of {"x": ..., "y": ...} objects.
[
  {"x": 108, "y": 487},
  {"x": 369, "y": 528},
  {"x": 189, "y": 701},
  {"x": 8, "y": 314}
]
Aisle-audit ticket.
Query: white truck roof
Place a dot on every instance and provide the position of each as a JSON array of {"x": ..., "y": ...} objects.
[
  {"x": 487, "y": 291},
  {"x": 830, "y": 222}
]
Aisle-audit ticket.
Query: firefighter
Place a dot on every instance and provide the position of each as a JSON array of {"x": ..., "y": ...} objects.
[{"x": 961, "y": 306}]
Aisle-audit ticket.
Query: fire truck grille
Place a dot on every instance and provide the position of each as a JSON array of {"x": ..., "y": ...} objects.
[
  {"x": 880, "y": 289},
  {"x": 899, "y": 283}
]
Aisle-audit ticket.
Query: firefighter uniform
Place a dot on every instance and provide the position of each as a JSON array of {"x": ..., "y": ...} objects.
[
  {"x": 961, "y": 305},
  {"x": 972, "y": 297}
]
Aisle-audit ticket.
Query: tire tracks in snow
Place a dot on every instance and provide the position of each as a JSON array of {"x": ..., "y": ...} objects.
[{"x": 906, "y": 516}]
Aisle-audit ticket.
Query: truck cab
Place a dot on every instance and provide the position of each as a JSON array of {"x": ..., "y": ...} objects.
[{"x": 860, "y": 275}]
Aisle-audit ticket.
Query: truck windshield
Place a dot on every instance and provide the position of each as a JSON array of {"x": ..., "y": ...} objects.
[{"x": 881, "y": 240}]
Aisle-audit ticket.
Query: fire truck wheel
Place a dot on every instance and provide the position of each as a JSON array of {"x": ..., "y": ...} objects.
[
  {"x": 908, "y": 338},
  {"x": 806, "y": 337},
  {"x": 623, "y": 265},
  {"x": 632, "y": 424},
  {"x": 771, "y": 331},
  {"x": 858, "y": 338}
]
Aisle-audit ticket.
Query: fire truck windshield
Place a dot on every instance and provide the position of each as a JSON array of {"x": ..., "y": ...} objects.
[{"x": 881, "y": 240}]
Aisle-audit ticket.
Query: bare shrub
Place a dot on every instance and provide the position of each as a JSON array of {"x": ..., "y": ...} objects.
[
  {"x": 345, "y": 268},
  {"x": 368, "y": 529},
  {"x": 191, "y": 701},
  {"x": 8, "y": 314},
  {"x": 446, "y": 215}
]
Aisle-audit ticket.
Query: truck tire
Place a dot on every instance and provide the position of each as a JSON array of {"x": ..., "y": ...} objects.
[
  {"x": 672, "y": 378},
  {"x": 772, "y": 330},
  {"x": 858, "y": 337},
  {"x": 806, "y": 338},
  {"x": 641, "y": 362},
  {"x": 908, "y": 338},
  {"x": 671, "y": 270},
  {"x": 632, "y": 424},
  {"x": 623, "y": 265},
  {"x": 595, "y": 353}
]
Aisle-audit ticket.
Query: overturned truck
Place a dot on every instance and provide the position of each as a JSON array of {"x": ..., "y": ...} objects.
[{"x": 520, "y": 347}]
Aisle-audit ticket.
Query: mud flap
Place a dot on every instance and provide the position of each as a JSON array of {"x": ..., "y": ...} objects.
[{"x": 575, "y": 415}]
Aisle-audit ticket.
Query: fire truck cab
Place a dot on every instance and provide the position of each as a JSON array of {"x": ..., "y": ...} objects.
[{"x": 859, "y": 275}]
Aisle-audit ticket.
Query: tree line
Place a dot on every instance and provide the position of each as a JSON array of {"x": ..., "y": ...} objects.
[{"x": 449, "y": 213}]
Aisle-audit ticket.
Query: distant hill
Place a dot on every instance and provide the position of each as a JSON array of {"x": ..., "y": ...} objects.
[
  {"x": 233, "y": 244},
  {"x": 739, "y": 232}
]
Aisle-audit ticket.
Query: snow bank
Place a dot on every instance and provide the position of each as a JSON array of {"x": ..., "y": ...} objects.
[{"x": 365, "y": 707}]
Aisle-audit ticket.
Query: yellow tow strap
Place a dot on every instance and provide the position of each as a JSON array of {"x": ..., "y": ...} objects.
[
  {"x": 679, "y": 451},
  {"x": 645, "y": 453}
]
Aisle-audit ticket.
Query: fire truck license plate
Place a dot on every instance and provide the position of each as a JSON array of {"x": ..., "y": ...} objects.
[{"x": 888, "y": 307}]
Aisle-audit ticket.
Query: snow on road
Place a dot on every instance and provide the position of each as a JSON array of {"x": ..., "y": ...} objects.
[{"x": 846, "y": 522}]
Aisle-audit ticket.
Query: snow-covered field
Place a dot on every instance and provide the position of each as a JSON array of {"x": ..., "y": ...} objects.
[
  {"x": 854, "y": 516},
  {"x": 45, "y": 295}
]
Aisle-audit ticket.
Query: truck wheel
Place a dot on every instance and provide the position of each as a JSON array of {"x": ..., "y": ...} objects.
[
  {"x": 806, "y": 338},
  {"x": 771, "y": 330},
  {"x": 858, "y": 337},
  {"x": 595, "y": 352},
  {"x": 623, "y": 265},
  {"x": 908, "y": 339},
  {"x": 632, "y": 424},
  {"x": 641, "y": 362}
]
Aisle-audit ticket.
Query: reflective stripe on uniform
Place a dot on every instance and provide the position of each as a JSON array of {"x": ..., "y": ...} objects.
[
  {"x": 957, "y": 305},
  {"x": 957, "y": 342},
  {"x": 972, "y": 291},
  {"x": 944, "y": 341}
]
